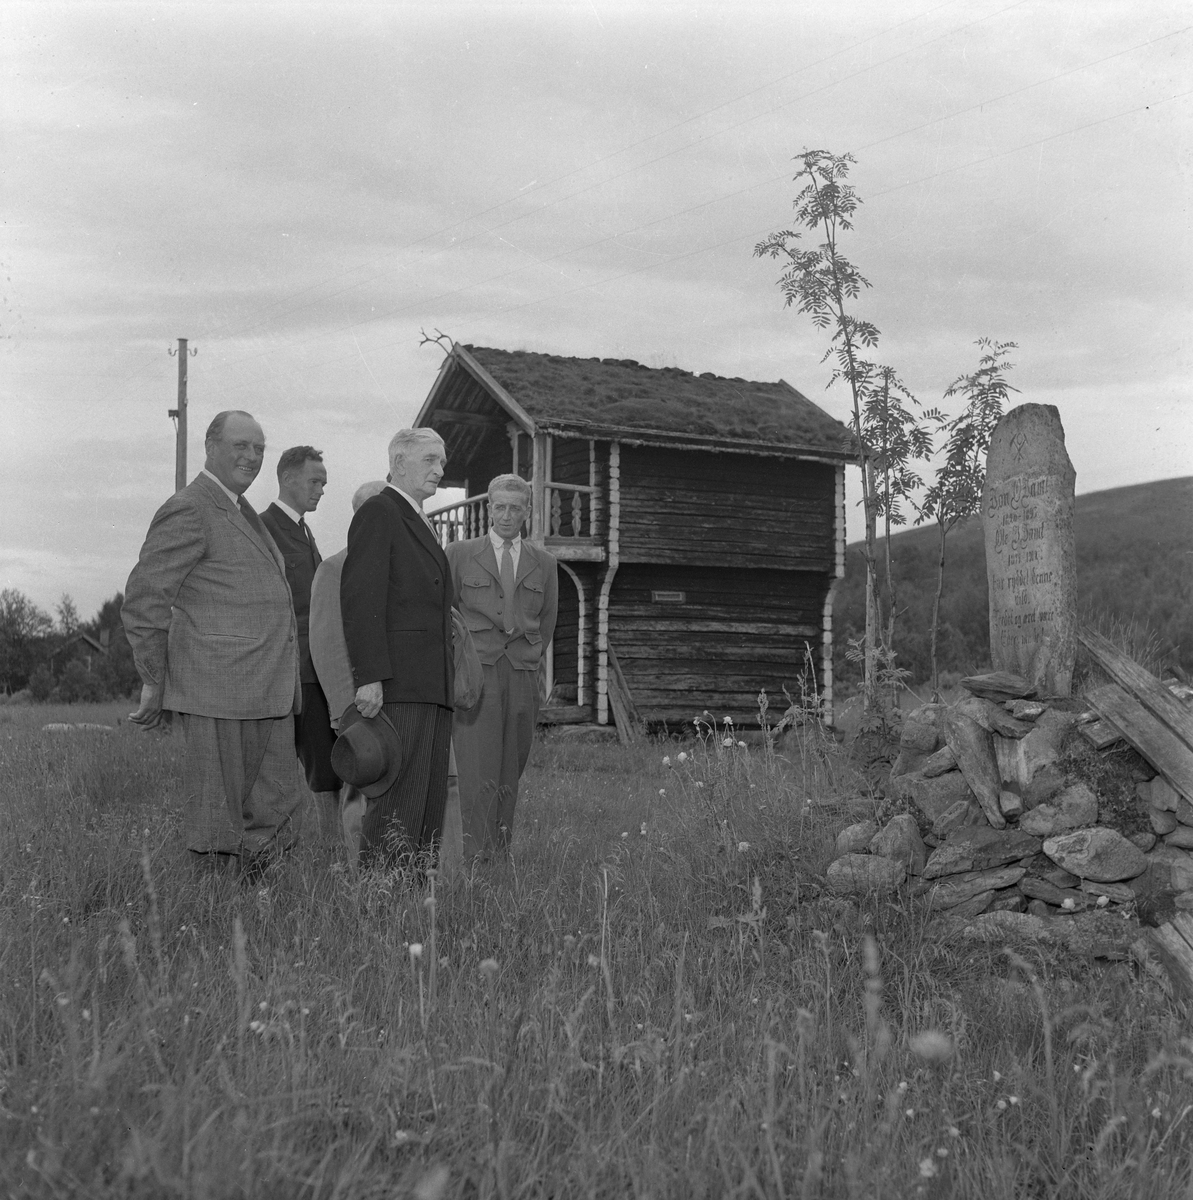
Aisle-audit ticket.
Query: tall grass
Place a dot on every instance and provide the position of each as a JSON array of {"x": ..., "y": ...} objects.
[{"x": 651, "y": 998}]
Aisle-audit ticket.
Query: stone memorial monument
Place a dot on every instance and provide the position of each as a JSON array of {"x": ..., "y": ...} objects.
[{"x": 1031, "y": 561}]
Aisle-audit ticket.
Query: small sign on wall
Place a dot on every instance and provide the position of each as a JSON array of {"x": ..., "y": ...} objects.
[{"x": 669, "y": 597}]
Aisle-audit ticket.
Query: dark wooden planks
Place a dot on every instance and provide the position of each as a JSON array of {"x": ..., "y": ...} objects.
[
  {"x": 726, "y": 509},
  {"x": 1143, "y": 685},
  {"x": 1148, "y": 734}
]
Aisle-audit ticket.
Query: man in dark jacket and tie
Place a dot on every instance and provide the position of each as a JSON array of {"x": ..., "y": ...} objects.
[
  {"x": 301, "y": 480},
  {"x": 395, "y": 597}
]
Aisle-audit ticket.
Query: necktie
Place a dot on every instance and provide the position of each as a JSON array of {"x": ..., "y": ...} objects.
[
  {"x": 251, "y": 517},
  {"x": 316, "y": 557},
  {"x": 507, "y": 583},
  {"x": 306, "y": 533}
]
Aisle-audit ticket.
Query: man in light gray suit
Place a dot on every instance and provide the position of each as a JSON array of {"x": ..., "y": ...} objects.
[{"x": 209, "y": 617}]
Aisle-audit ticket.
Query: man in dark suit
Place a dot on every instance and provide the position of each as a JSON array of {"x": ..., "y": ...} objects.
[
  {"x": 301, "y": 480},
  {"x": 208, "y": 615},
  {"x": 508, "y": 593},
  {"x": 395, "y": 598}
]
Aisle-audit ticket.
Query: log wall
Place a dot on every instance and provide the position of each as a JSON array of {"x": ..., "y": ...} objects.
[
  {"x": 695, "y": 637},
  {"x": 726, "y": 510}
]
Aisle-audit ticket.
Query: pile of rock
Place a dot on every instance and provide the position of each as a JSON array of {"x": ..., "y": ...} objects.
[{"x": 995, "y": 821}]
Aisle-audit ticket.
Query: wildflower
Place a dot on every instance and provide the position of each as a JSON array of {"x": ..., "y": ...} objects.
[
  {"x": 742, "y": 847},
  {"x": 1001, "y": 1105},
  {"x": 593, "y": 961},
  {"x": 682, "y": 756},
  {"x": 1155, "y": 1112},
  {"x": 743, "y": 746},
  {"x": 256, "y": 1026},
  {"x": 1068, "y": 904},
  {"x": 932, "y": 1045},
  {"x": 942, "y": 1152},
  {"x": 569, "y": 942},
  {"x": 699, "y": 784},
  {"x": 927, "y": 1168},
  {"x": 263, "y": 1005},
  {"x": 662, "y": 791},
  {"x": 728, "y": 721},
  {"x": 902, "y": 1086},
  {"x": 416, "y": 951},
  {"x": 910, "y": 1112},
  {"x": 1102, "y": 901},
  {"x": 954, "y": 1132},
  {"x": 86, "y": 1014},
  {"x": 1013, "y": 1099},
  {"x": 726, "y": 741},
  {"x": 642, "y": 829},
  {"x": 625, "y": 833},
  {"x": 306, "y": 1012},
  {"x": 998, "y": 1077},
  {"x": 666, "y": 760},
  {"x": 489, "y": 968}
]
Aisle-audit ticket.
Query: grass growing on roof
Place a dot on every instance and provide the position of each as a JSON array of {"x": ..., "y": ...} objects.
[{"x": 625, "y": 394}]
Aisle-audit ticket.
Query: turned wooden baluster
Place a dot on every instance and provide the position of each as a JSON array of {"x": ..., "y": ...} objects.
[
  {"x": 577, "y": 510},
  {"x": 556, "y": 512}
]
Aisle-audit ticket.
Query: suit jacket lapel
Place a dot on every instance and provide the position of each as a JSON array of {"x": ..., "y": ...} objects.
[
  {"x": 527, "y": 561},
  {"x": 295, "y": 530},
  {"x": 419, "y": 527},
  {"x": 238, "y": 520},
  {"x": 486, "y": 557}
]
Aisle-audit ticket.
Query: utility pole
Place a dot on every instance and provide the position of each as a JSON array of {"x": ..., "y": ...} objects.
[{"x": 179, "y": 416}]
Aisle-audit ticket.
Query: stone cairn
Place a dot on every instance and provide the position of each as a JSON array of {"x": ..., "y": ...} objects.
[
  {"x": 998, "y": 819},
  {"x": 995, "y": 822}
]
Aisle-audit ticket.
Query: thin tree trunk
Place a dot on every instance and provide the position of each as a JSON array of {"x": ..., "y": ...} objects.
[{"x": 936, "y": 613}]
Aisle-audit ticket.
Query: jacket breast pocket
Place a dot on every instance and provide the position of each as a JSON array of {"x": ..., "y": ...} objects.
[{"x": 532, "y": 596}]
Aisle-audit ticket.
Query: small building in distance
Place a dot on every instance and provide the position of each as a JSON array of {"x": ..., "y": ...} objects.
[{"x": 699, "y": 523}]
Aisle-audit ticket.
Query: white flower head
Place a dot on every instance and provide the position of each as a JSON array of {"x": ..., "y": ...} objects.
[
  {"x": 662, "y": 791},
  {"x": 488, "y": 967},
  {"x": 1102, "y": 901},
  {"x": 1068, "y": 904},
  {"x": 742, "y": 746},
  {"x": 727, "y": 740},
  {"x": 742, "y": 847},
  {"x": 927, "y": 1168},
  {"x": 416, "y": 951},
  {"x": 682, "y": 756},
  {"x": 666, "y": 760}
]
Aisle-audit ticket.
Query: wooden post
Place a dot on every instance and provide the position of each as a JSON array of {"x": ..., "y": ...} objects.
[
  {"x": 538, "y": 492},
  {"x": 179, "y": 415},
  {"x": 614, "y": 560}
]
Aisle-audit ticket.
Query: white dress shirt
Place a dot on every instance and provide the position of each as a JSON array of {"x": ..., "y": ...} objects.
[
  {"x": 223, "y": 486},
  {"x": 515, "y": 549}
]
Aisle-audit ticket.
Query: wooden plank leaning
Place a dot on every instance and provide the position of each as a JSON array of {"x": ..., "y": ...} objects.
[
  {"x": 625, "y": 715},
  {"x": 1173, "y": 945},
  {"x": 1142, "y": 684},
  {"x": 1148, "y": 734}
]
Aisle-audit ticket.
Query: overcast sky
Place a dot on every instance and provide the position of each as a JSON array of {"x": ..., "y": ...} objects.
[{"x": 299, "y": 188}]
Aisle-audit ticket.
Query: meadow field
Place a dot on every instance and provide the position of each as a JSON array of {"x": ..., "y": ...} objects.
[{"x": 653, "y": 998}]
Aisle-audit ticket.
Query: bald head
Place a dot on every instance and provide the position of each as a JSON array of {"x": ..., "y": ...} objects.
[{"x": 367, "y": 491}]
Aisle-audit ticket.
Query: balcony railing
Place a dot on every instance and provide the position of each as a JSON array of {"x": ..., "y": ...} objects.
[
  {"x": 571, "y": 515},
  {"x": 462, "y": 520},
  {"x": 569, "y": 510}
]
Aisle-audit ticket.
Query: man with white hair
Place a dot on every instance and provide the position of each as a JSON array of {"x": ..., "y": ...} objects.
[{"x": 395, "y": 597}]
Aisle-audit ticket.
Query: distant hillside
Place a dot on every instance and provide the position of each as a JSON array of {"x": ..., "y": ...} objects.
[{"x": 1134, "y": 563}]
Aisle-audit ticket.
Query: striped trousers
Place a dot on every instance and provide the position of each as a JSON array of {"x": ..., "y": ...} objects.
[{"x": 409, "y": 817}]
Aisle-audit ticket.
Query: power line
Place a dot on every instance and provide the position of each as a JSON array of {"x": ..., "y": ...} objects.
[
  {"x": 537, "y": 186},
  {"x": 455, "y": 245},
  {"x": 764, "y": 232},
  {"x": 423, "y": 303}
]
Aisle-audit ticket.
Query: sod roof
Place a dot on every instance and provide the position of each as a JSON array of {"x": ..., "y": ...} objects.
[{"x": 582, "y": 393}]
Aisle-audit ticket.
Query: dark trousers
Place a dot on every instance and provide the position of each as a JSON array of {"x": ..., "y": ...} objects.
[
  {"x": 409, "y": 817},
  {"x": 493, "y": 742},
  {"x": 314, "y": 738}
]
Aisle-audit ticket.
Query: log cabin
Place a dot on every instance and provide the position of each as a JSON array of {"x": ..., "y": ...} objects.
[{"x": 699, "y": 524}]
